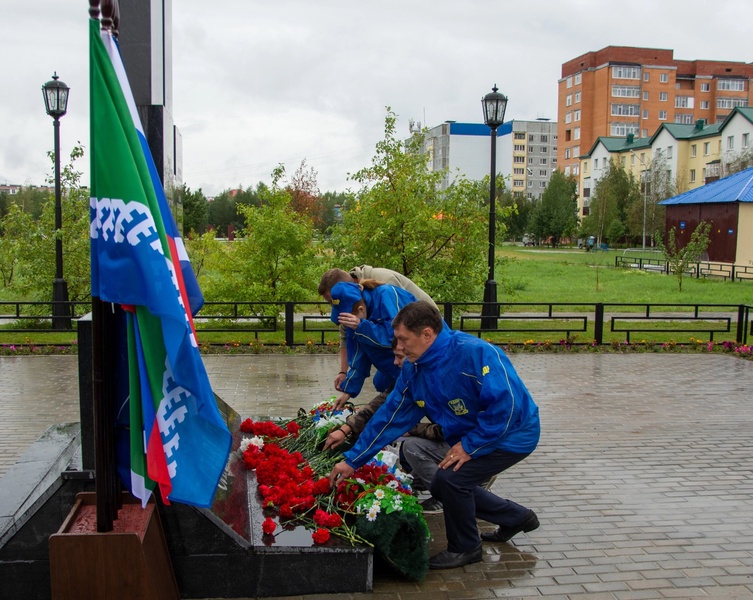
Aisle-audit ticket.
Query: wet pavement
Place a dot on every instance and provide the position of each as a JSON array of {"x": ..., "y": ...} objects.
[{"x": 643, "y": 480}]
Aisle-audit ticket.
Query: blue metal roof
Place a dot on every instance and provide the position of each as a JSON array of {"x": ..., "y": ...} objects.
[
  {"x": 478, "y": 129},
  {"x": 734, "y": 188}
]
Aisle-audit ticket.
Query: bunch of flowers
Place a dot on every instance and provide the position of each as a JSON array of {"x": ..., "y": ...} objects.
[{"x": 373, "y": 506}]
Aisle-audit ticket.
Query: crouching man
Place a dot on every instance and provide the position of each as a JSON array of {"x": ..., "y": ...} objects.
[{"x": 470, "y": 389}]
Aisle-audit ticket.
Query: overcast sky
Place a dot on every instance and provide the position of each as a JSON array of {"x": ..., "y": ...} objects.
[{"x": 257, "y": 83}]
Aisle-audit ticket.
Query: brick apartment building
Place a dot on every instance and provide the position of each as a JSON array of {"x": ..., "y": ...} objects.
[{"x": 617, "y": 91}]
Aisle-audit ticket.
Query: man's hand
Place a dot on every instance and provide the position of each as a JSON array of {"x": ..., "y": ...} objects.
[
  {"x": 455, "y": 456},
  {"x": 334, "y": 439},
  {"x": 348, "y": 320},
  {"x": 339, "y": 379},
  {"x": 340, "y": 471},
  {"x": 341, "y": 401}
]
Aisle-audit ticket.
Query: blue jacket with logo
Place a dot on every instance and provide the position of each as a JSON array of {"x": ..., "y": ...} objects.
[
  {"x": 371, "y": 342},
  {"x": 466, "y": 386}
]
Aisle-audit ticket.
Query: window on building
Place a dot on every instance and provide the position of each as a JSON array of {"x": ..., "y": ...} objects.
[
  {"x": 518, "y": 159},
  {"x": 663, "y": 78},
  {"x": 684, "y": 119},
  {"x": 706, "y": 148},
  {"x": 683, "y": 101},
  {"x": 670, "y": 149},
  {"x": 544, "y": 139},
  {"x": 519, "y": 147},
  {"x": 576, "y": 151},
  {"x": 576, "y": 133},
  {"x": 576, "y": 115},
  {"x": 569, "y": 82},
  {"x": 519, "y": 135},
  {"x": 731, "y": 102},
  {"x": 543, "y": 161},
  {"x": 531, "y": 149},
  {"x": 517, "y": 183},
  {"x": 628, "y": 110},
  {"x": 730, "y": 142},
  {"x": 692, "y": 175},
  {"x": 544, "y": 149},
  {"x": 644, "y": 133},
  {"x": 596, "y": 163},
  {"x": 569, "y": 100},
  {"x": 585, "y": 166},
  {"x": 518, "y": 171},
  {"x": 568, "y": 117},
  {"x": 626, "y": 72},
  {"x": 626, "y": 91},
  {"x": 530, "y": 183},
  {"x": 554, "y": 160},
  {"x": 732, "y": 85},
  {"x": 693, "y": 150},
  {"x": 577, "y": 78},
  {"x": 576, "y": 170},
  {"x": 530, "y": 161},
  {"x": 646, "y": 77},
  {"x": 662, "y": 115},
  {"x": 663, "y": 96},
  {"x": 543, "y": 172},
  {"x": 577, "y": 97},
  {"x": 645, "y": 96},
  {"x": 567, "y": 170},
  {"x": 704, "y": 104},
  {"x": 645, "y": 114},
  {"x": 622, "y": 161},
  {"x": 632, "y": 160},
  {"x": 623, "y": 129},
  {"x": 705, "y": 87},
  {"x": 746, "y": 140},
  {"x": 530, "y": 137}
]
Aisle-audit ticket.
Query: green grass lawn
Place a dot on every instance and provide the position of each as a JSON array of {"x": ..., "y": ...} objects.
[{"x": 568, "y": 275}]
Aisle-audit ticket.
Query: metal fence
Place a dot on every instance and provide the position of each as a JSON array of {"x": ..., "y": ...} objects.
[
  {"x": 307, "y": 323},
  {"x": 721, "y": 270}
]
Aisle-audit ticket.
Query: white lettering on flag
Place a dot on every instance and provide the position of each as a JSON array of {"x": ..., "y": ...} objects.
[{"x": 171, "y": 413}]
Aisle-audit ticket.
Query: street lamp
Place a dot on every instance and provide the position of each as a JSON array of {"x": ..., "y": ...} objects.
[
  {"x": 494, "y": 105},
  {"x": 55, "y": 94},
  {"x": 646, "y": 171}
]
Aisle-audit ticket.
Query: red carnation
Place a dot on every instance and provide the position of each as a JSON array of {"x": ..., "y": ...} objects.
[
  {"x": 320, "y": 536},
  {"x": 269, "y": 526}
]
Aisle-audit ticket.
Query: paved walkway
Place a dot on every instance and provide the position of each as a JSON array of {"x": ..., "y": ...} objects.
[{"x": 643, "y": 480}]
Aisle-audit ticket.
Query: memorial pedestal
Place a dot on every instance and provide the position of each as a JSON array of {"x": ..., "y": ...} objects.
[{"x": 129, "y": 563}]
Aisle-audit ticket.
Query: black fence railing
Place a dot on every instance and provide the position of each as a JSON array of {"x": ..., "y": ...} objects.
[
  {"x": 726, "y": 271},
  {"x": 307, "y": 323}
]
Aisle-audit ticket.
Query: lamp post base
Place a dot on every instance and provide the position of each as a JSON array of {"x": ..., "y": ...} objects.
[
  {"x": 490, "y": 310},
  {"x": 61, "y": 315}
]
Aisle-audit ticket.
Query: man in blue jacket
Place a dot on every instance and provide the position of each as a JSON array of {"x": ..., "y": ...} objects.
[
  {"x": 365, "y": 311},
  {"x": 469, "y": 388}
]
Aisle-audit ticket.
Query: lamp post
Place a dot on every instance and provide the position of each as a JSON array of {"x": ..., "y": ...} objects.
[
  {"x": 646, "y": 171},
  {"x": 55, "y": 94},
  {"x": 494, "y": 105}
]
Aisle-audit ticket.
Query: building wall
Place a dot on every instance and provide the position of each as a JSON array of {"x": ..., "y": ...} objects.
[
  {"x": 465, "y": 149},
  {"x": 724, "y": 218},
  {"x": 660, "y": 80},
  {"x": 744, "y": 254}
]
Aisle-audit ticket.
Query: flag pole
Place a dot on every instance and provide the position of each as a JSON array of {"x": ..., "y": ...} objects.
[{"x": 107, "y": 486}]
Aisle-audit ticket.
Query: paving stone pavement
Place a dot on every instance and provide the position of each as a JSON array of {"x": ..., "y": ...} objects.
[{"x": 643, "y": 480}]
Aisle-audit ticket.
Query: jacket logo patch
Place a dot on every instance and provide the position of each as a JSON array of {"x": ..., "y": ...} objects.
[
  {"x": 485, "y": 370},
  {"x": 420, "y": 403},
  {"x": 458, "y": 406}
]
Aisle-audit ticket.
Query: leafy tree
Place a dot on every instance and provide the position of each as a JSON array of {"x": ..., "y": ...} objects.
[
  {"x": 195, "y": 211},
  {"x": 555, "y": 214},
  {"x": 681, "y": 257},
  {"x": 736, "y": 162},
  {"x": 305, "y": 196},
  {"x": 615, "y": 195},
  {"x": 520, "y": 210},
  {"x": 401, "y": 219},
  {"x": 273, "y": 257},
  {"x": 35, "y": 263},
  {"x": 332, "y": 204},
  {"x": 223, "y": 212},
  {"x": 203, "y": 250},
  {"x": 14, "y": 228}
]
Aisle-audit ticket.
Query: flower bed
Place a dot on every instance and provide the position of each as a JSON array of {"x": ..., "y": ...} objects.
[{"x": 375, "y": 506}]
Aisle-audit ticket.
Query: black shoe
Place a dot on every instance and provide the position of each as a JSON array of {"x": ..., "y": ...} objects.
[
  {"x": 452, "y": 560},
  {"x": 431, "y": 506},
  {"x": 503, "y": 534}
]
